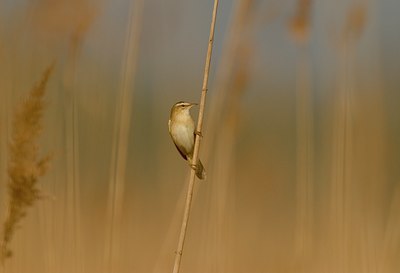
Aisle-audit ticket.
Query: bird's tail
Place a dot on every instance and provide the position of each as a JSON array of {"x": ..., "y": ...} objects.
[{"x": 200, "y": 172}]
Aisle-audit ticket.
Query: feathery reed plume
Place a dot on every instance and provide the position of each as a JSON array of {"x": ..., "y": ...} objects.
[
  {"x": 355, "y": 23},
  {"x": 300, "y": 22},
  {"x": 185, "y": 220},
  {"x": 54, "y": 20},
  {"x": 25, "y": 166}
]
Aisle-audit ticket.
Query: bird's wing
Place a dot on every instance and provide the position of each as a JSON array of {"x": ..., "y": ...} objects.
[
  {"x": 179, "y": 150},
  {"x": 177, "y": 147}
]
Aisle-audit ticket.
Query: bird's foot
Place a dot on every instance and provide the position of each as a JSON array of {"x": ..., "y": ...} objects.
[{"x": 198, "y": 133}]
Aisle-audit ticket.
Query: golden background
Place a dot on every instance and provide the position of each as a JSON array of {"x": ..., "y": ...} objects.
[{"x": 301, "y": 135}]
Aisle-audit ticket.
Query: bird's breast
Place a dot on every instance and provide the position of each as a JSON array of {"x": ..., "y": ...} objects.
[{"x": 183, "y": 135}]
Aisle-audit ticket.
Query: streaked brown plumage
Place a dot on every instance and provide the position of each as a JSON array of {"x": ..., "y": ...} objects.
[{"x": 182, "y": 131}]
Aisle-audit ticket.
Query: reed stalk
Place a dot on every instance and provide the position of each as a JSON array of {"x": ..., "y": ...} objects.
[
  {"x": 121, "y": 138},
  {"x": 189, "y": 196},
  {"x": 344, "y": 182},
  {"x": 231, "y": 81},
  {"x": 72, "y": 192},
  {"x": 305, "y": 162},
  {"x": 300, "y": 33},
  {"x": 73, "y": 208}
]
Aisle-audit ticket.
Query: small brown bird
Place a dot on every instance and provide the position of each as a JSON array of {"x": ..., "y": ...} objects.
[{"x": 182, "y": 131}]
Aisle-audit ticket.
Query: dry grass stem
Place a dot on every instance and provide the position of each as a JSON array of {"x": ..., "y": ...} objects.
[
  {"x": 344, "y": 178},
  {"x": 25, "y": 166},
  {"x": 121, "y": 137},
  {"x": 185, "y": 221},
  {"x": 305, "y": 161},
  {"x": 76, "y": 30},
  {"x": 233, "y": 77},
  {"x": 299, "y": 27}
]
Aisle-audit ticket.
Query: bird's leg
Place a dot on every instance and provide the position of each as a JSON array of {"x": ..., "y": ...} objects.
[{"x": 198, "y": 133}]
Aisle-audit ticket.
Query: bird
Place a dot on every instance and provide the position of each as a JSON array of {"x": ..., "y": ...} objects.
[{"x": 182, "y": 131}]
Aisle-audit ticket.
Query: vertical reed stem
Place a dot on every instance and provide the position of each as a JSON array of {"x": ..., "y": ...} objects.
[
  {"x": 121, "y": 137},
  {"x": 305, "y": 161},
  {"x": 189, "y": 196}
]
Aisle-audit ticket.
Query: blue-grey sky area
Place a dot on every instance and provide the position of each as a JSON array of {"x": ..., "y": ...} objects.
[{"x": 174, "y": 37}]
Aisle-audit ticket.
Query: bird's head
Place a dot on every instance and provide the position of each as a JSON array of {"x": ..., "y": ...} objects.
[{"x": 181, "y": 107}]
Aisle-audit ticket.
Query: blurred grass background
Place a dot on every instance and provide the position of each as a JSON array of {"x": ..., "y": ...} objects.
[{"x": 301, "y": 135}]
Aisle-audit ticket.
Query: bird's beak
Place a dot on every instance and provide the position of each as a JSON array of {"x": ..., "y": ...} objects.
[{"x": 193, "y": 104}]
